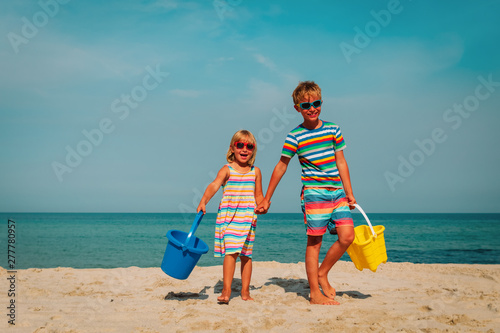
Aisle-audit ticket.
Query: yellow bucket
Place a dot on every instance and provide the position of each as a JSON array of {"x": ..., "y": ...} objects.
[{"x": 368, "y": 248}]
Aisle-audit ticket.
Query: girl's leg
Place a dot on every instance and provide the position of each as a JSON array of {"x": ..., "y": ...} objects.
[
  {"x": 227, "y": 277},
  {"x": 312, "y": 260},
  {"x": 346, "y": 237},
  {"x": 246, "y": 275}
]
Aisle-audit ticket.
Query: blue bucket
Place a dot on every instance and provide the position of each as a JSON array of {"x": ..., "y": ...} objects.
[{"x": 183, "y": 251}]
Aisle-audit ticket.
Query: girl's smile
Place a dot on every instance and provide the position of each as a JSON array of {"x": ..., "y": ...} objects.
[
  {"x": 243, "y": 151},
  {"x": 242, "y": 155}
]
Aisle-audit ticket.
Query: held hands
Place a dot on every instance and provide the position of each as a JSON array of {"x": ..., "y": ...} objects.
[{"x": 263, "y": 207}]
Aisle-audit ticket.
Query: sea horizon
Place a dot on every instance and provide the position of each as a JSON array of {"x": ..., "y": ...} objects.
[
  {"x": 213, "y": 212},
  {"x": 111, "y": 240}
]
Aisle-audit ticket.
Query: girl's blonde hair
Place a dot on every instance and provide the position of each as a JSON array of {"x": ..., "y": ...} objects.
[
  {"x": 305, "y": 88},
  {"x": 242, "y": 135}
]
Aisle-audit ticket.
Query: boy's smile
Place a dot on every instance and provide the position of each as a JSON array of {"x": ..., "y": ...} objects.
[{"x": 311, "y": 115}]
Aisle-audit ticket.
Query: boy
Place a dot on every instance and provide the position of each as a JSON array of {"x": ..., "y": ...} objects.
[{"x": 326, "y": 193}]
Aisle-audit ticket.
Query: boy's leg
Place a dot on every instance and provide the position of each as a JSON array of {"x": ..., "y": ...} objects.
[
  {"x": 227, "y": 276},
  {"x": 336, "y": 251},
  {"x": 341, "y": 216},
  {"x": 312, "y": 261},
  {"x": 315, "y": 203},
  {"x": 246, "y": 276}
]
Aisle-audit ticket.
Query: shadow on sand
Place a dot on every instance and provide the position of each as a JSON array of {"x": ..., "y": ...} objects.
[
  {"x": 184, "y": 296},
  {"x": 300, "y": 287},
  {"x": 353, "y": 294}
]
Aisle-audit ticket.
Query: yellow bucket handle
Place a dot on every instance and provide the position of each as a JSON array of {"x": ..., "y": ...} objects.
[{"x": 367, "y": 220}]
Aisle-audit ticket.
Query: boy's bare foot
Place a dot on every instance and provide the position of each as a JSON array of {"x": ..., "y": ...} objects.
[
  {"x": 322, "y": 300},
  {"x": 327, "y": 288}
]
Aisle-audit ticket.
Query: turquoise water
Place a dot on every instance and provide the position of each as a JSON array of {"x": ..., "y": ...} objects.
[{"x": 123, "y": 240}]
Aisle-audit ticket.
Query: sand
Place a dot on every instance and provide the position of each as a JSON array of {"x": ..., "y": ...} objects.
[{"x": 398, "y": 297}]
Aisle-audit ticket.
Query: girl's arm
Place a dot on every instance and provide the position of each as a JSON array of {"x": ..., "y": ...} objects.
[
  {"x": 345, "y": 177},
  {"x": 259, "y": 196},
  {"x": 278, "y": 172},
  {"x": 213, "y": 187}
]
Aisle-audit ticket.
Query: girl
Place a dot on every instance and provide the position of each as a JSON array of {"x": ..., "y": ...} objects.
[{"x": 236, "y": 219}]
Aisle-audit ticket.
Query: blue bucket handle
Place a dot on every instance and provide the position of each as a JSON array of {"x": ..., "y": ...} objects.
[{"x": 195, "y": 225}]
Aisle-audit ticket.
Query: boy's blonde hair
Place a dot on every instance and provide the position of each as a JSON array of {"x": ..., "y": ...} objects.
[
  {"x": 242, "y": 135},
  {"x": 304, "y": 89}
]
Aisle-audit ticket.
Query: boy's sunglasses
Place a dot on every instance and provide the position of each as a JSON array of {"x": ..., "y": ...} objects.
[
  {"x": 307, "y": 105},
  {"x": 240, "y": 145}
]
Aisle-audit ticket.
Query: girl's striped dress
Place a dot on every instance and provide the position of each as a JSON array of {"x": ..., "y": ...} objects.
[{"x": 236, "y": 219}]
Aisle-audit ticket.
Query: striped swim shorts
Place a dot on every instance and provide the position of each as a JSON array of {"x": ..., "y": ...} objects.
[{"x": 324, "y": 205}]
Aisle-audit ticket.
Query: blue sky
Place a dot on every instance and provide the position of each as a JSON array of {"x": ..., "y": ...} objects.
[{"x": 129, "y": 106}]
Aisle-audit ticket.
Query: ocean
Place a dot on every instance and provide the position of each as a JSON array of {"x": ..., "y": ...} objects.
[{"x": 111, "y": 240}]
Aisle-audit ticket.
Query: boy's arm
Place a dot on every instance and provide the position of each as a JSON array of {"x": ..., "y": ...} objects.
[
  {"x": 278, "y": 172},
  {"x": 345, "y": 177},
  {"x": 212, "y": 188}
]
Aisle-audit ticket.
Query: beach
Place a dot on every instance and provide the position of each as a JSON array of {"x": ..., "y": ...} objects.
[{"x": 402, "y": 297}]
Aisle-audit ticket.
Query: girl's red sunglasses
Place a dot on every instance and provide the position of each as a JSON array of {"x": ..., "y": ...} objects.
[{"x": 240, "y": 145}]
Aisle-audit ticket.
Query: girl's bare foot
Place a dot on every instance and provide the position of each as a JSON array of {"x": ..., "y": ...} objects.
[
  {"x": 327, "y": 288},
  {"x": 224, "y": 298}
]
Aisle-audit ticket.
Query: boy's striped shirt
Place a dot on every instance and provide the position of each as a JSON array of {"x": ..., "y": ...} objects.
[{"x": 316, "y": 151}]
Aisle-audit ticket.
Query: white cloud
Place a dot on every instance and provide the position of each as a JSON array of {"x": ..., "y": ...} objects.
[
  {"x": 224, "y": 59},
  {"x": 186, "y": 93},
  {"x": 265, "y": 61},
  {"x": 169, "y": 5},
  {"x": 166, "y": 4},
  {"x": 263, "y": 96},
  {"x": 398, "y": 57}
]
